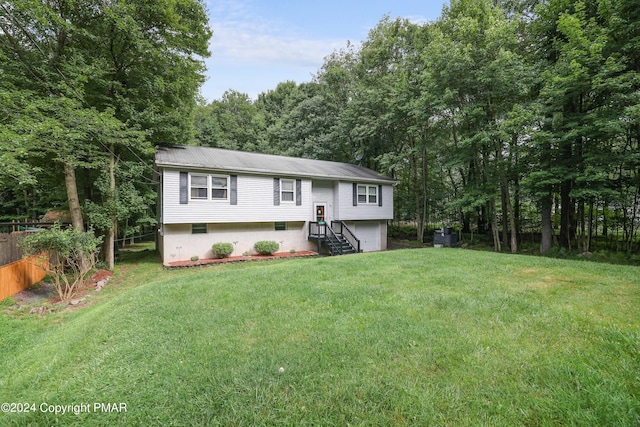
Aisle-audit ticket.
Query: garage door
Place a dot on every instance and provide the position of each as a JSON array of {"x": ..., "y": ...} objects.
[{"x": 369, "y": 234}]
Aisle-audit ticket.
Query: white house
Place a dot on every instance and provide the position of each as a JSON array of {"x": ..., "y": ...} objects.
[{"x": 210, "y": 195}]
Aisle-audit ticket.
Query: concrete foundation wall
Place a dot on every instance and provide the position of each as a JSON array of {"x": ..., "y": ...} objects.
[{"x": 179, "y": 244}]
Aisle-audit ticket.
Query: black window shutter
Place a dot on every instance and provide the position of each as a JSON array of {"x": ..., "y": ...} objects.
[
  {"x": 233, "y": 196},
  {"x": 355, "y": 194},
  {"x": 276, "y": 192},
  {"x": 184, "y": 188},
  {"x": 379, "y": 195},
  {"x": 298, "y": 192}
]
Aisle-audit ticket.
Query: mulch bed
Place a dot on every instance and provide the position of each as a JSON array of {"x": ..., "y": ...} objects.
[
  {"x": 209, "y": 261},
  {"x": 43, "y": 292}
]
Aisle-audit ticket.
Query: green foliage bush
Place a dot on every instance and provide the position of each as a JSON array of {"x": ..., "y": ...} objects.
[
  {"x": 266, "y": 247},
  {"x": 67, "y": 254},
  {"x": 222, "y": 249},
  {"x": 403, "y": 232}
]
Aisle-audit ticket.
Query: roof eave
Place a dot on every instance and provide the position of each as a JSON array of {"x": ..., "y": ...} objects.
[{"x": 271, "y": 173}]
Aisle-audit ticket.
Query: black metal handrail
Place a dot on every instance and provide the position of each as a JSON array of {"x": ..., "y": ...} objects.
[
  {"x": 348, "y": 234},
  {"x": 333, "y": 240},
  {"x": 333, "y": 235},
  {"x": 318, "y": 229}
]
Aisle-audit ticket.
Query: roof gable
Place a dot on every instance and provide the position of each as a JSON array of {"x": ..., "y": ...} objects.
[{"x": 262, "y": 164}]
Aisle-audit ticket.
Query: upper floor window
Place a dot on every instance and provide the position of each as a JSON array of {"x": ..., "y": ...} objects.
[
  {"x": 199, "y": 187},
  {"x": 287, "y": 190},
  {"x": 367, "y": 194},
  {"x": 219, "y": 186},
  {"x": 209, "y": 187}
]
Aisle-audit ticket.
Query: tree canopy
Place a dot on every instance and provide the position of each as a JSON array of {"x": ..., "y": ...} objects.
[
  {"x": 505, "y": 118},
  {"x": 91, "y": 87}
]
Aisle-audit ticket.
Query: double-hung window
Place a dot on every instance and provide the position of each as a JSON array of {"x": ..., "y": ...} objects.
[
  {"x": 209, "y": 187},
  {"x": 287, "y": 190},
  {"x": 372, "y": 193},
  {"x": 368, "y": 194},
  {"x": 219, "y": 188},
  {"x": 199, "y": 187}
]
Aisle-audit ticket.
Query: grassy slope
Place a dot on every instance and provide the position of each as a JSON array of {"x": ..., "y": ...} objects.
[{"x": 423, "y": 337}]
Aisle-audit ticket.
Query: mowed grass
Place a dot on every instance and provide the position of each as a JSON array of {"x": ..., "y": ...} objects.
[{"x": 413, "y": 337}]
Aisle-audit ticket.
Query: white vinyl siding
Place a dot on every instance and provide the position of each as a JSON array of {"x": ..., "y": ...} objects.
[
  {"x": 254, "y": 203},
  {"x": 323, "y": 193},
  {"x": 363, "y": 211}
]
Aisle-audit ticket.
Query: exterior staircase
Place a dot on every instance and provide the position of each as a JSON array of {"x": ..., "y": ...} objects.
[
  {"x": 337, "y": 237},
  {"x": 339, "y": 245}
]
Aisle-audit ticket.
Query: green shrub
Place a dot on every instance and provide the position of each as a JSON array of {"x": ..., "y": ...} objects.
[
  {"x": 266, "y": 247},
  {"x": 67, "y": 254},
  {"x": 222, "y": 250},
  {"x": 403, "y": 232}
]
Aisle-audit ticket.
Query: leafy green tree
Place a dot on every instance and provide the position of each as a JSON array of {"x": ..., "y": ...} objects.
[
  {"x": 106, "y": 82},
  {"x": 231, "y": 123},
  {"x": 68, "y": 255}
]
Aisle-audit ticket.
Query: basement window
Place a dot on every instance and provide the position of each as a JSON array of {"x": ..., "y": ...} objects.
[{"x": 198, "y": 228}]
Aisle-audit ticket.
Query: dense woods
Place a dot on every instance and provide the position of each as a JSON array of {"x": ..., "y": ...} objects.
[
  {"x": 503, "y": 118},
  {"x": 87, "y": 89}
]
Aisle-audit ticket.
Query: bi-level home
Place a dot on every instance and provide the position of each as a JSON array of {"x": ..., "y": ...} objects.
[{"x": 210, "y": 195}]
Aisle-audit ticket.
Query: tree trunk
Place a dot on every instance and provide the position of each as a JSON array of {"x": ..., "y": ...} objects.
[
  {"x": 504, "y": 194},
  {"x": 109, "y": 244},
  {"x": 567, "y": 215},
  {"x": 605, "y": 230},
  {"x": 425, "y": 190},
  {"x": 72, "y": 197},
  {"x": 417, "y": 201},
  {"x": 547, "y": 227},
  {"x": 506, "y": 197},
  {"x": 590, "y": 231},
  {"x": 74, "y": 205},
  {"x": 494, "y": 226},
  {"x": 583, "y": 228}
]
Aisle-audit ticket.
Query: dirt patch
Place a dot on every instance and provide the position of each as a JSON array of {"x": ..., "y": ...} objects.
[
  {"x": 38, "y": 293},
  {"x": 42, "y": 294}
]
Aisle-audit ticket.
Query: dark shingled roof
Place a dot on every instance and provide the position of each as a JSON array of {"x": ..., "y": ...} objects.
[{"x": 262, "y": 164}]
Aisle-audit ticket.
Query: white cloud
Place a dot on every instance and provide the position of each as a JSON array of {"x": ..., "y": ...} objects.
[{"x": 242, "y": 37}]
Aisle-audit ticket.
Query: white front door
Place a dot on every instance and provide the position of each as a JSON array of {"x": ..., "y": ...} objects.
[{"x": 320, "y": 212}]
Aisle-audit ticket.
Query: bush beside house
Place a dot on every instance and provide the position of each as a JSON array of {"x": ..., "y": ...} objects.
[
  {"x": 266, "y": 247},
  {"x": 222, "y": 249}
]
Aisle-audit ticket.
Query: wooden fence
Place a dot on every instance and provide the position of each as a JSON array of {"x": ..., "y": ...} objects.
[
  {"x": 9, "y": 249},
  {"x": 18, "y": 276}
]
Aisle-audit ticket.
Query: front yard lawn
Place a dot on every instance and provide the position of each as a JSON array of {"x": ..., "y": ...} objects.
[{"x": 408, "y": 337}]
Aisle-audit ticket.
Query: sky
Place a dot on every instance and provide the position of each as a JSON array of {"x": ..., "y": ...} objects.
[{"x": 257, "y": 44}]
